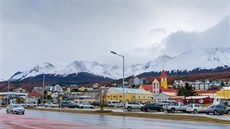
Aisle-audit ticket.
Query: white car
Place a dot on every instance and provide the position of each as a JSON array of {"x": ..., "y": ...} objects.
[
  {"x": 195, "y": 108},
  {"x": 15, "y": 109},
  {"x": 85, "y": 105},
  {"x": 133, "y": 105}
]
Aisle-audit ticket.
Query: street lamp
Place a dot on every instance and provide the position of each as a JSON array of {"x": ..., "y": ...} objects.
[
  {"x": 123, "y": 86},
  {"x": 8, "y": 86},
  {"x": 43, "y": 85}
]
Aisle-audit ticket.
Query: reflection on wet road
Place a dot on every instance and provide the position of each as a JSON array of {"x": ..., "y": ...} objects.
[{"x": 124, "y": 122}]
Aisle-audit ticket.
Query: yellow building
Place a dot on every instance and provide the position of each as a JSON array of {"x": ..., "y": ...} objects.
[
  {"x": 131, "y": 95},
  {"x": 224, "y": 93},
  {"x": 164, "y": 83}
]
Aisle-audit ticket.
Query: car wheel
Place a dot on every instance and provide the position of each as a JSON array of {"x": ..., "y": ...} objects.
[
  {"x": 195, "y": 111},
  {"x": 146, "y": 110},
  {"x": 168, "y": 111},
  {"x": 207, "y": 113},
  {"x": 129, "y": 108},
  {"x": 228, "y": 112},
  {"x": 215, "y": 112},
  {"x": 173, "y": 110}
]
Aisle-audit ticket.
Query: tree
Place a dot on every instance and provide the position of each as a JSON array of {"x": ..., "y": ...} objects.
[
  {"x": 187, "y": 90},
  {"x": 49, "y": 97},
  {"x": 20, "y": 100}
]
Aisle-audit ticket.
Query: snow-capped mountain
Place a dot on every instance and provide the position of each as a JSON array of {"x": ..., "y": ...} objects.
[{"x": 197, "y": 58}]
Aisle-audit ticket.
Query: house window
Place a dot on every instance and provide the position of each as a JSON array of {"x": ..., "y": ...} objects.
[
  {"x": 120, "y": 96},
  {"x": 108, "y": 96},
  {"x": 114, "y": 96}
]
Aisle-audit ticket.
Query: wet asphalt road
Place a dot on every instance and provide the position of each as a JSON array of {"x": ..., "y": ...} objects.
[{"x": 124, "y": 122}]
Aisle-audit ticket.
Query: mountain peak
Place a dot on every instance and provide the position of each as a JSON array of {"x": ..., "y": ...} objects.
[{"x": 197, "y": 58}]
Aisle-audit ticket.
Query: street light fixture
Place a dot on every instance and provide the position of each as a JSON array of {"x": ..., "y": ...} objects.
[{"x": 123, "y": 84}]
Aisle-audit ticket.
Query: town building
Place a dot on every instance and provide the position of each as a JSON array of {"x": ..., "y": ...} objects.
[
  {"x": 131, "y": 95},
  {"x": 163, "y": 96},
  {"x": 156, "y": 87},
  {"x": 223, "y": 94},
  {"x": 164, "y": 77},
  {"x": 32, "y": 97},
  {"x": 19, "y": 90},
  {"x": 55, "y": 88}
]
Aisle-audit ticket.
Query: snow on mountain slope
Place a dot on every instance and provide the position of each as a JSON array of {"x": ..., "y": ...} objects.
[
  {"x": 197, "y": 58},
  {"x": 45, "y": 68},
  {"x": 90, "y": 67}
]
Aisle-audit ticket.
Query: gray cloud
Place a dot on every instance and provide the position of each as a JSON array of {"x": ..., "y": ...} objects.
[
  {"x": 217, "y": 36},
  {"x": 65, "y": 30}
]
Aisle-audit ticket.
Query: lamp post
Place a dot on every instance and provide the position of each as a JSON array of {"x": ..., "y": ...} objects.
[
  {"x": 8, "y": 89},
  {"x": 43, "y": 86},
  {"x": 123, "y": 84}
]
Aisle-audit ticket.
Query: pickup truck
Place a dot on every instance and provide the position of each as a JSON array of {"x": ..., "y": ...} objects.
[{"x": 178, "y": 106}]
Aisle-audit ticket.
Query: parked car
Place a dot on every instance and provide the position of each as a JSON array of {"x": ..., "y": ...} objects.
[
  {"x": 228, "y": 111},
  {"x": 65, "y": 104},
  {"x": 73, "y": 105},
  {"x": 54, "y": 105},
  {"x": 114, "y": 103},
  {"x": 98, "y": 104},
  {"x": 216, "y": 109},
  {"x": 178, "y": 106},
  {"x": 86, "y": 105},
  {"x": 15, "y": 109},
  {"x": 132, "y": 105},
  {"x": 195, "y": 108},
  {"x": 152, "y": 106}
]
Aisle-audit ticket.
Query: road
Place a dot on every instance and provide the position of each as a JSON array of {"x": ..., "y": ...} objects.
[{"x": 100, "y": 121}]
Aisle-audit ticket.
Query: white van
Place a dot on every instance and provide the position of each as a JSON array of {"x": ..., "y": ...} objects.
[{"x": 114, "y": 103}]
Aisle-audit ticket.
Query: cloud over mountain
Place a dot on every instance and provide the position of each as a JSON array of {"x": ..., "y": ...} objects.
[{"x": 216, "y": 36}]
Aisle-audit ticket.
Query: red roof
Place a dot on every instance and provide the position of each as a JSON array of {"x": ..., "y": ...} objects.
[
  {"x": 163, "y": 74},
  {"x": 168, "y": 90},
  {"x": 155, "y": 81},
  {"x": 35, "y": 94},
  {"x": 206, "y": 91},
  {"x": 148, "y": 88}
]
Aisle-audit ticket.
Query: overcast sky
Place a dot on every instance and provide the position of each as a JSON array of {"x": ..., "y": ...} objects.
[{"x": 62, "y": 31}]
